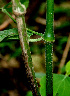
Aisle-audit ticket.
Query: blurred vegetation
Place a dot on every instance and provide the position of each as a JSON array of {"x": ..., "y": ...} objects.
[{"x": 12, "y": 73}]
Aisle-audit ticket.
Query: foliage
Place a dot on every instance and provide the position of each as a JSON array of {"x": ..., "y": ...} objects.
[{"x": 61, "y": 83}]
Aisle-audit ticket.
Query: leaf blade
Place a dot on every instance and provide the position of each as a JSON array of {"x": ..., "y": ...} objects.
[
  {"x": 7, "y": 33},
  {"x": 61, "y": 85}
]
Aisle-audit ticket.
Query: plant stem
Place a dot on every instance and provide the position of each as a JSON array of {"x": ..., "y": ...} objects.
[
  {"x": 49, "y": 34},
  {"x": 49, "y": 74},
  {"x": 49, "y": 39},
  {"x": 20, "y": 19}
]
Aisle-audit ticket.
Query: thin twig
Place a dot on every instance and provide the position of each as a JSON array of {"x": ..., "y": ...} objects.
[{"x": 64, "y": 56}]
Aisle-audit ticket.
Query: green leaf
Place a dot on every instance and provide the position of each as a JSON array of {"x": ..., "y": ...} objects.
[
  {"x": 43, "y": 86},
  {"x": 61, "y": 85},
  {"x": 8, "y": 33},
  {"x": 68, "y": 68},
  {"x": 16, "y": 37}
]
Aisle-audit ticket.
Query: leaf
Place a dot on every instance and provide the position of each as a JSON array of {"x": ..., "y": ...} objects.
[
  {"x": 43, "y": 86},
  {"x": 8, "y": 33},
  {"x": 61, "y": 85},
  {"x": 68, "y": 68},
  {"x": 16, "y": 37}
]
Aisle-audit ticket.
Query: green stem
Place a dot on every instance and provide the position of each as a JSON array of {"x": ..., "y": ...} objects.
[
  {"x": 49, "y": 39},
  {"x": 49, "y": 74},
  {"x": 49, "y": 34}
]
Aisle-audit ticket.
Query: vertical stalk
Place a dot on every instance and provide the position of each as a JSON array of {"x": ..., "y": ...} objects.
[
  {"x": 49, "y": 74},
  {"x": 49, "y": 39},
  {"x": 19, "y": 11}
]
